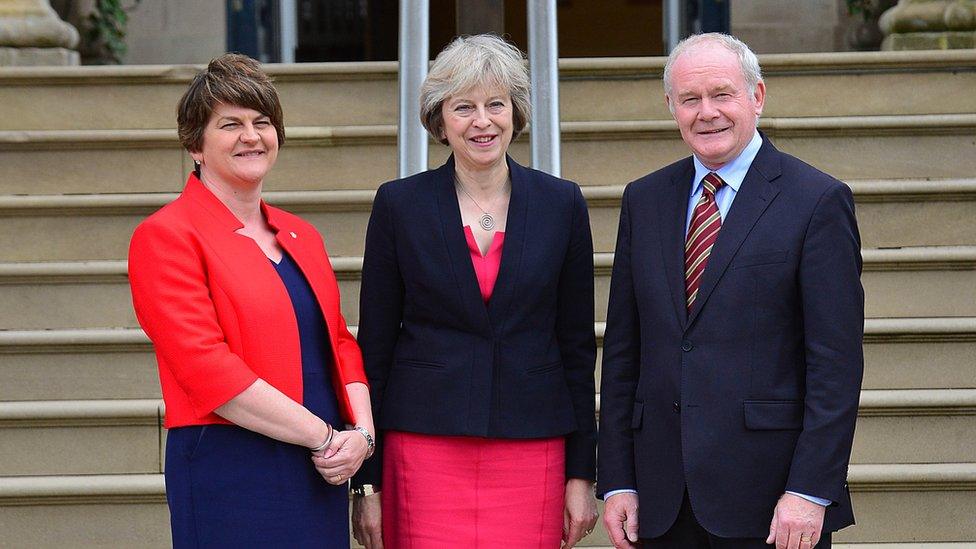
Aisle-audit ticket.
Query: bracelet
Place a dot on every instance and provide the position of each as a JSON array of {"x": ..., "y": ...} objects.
[
  {"x": 370, "y": 443},
  {"x": 327, "y": 443}
]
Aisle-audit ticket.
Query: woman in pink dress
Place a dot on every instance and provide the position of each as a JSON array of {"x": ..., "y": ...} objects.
[{"x": 476, "y": 324}]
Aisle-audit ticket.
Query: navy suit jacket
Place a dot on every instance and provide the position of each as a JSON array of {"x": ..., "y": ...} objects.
[
  {"x": 755, "y": 390},
  {"x": 439, "y": 360}
]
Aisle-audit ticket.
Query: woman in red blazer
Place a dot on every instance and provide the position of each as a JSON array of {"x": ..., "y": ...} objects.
[{"x": 256, "y": 364}]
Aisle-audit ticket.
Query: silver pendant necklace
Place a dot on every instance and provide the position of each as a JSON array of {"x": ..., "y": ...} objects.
[{"x": 486, "y": 221}]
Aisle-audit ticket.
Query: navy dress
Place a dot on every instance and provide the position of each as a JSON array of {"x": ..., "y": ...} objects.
[{"x": 230, "y": 487}]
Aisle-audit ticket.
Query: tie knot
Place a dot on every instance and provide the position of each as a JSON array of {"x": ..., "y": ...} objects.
[{"x": 712, "y": 182}]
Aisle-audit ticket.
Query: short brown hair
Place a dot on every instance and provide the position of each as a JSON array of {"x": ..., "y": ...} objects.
[{"x": 230, "y": 79}]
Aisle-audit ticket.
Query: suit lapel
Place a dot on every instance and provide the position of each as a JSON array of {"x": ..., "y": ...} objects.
[
  {"x": 319, "y": 275},
  {"x": 212, "y": 217},
  {"x": 457, "y": 246},
  {"x": 673, "y": 213},
  {"x": 512, "y": 249},
  {"x": 755, "y": 194}
]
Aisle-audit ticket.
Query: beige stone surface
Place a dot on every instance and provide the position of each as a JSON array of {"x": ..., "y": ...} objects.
[
  {"x": 91, "y": 525},
  {"x": 97, "y": 449},
  {"x": 912, "y": 516},
  {"x": 892, "y": 365},
  {"x": 33, "y": 23},
  {"x": 771, "y": 26},
  {"x": 365, "y": 94},
  {"x": 915, "y": 439},
  {"x": 176, "y": 31},
  {"x": 76, "y": 374},
  {"x": 33, "y": 57}
]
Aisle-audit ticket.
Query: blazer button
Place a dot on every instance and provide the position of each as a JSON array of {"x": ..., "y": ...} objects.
[
  {"x": 686, "y": 346},
  {"x": 676, "y": 407}
]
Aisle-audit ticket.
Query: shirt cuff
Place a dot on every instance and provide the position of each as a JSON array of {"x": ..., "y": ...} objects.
[
  {"x": 620, "y": 491},
  {"x": 814, "y": 499}
]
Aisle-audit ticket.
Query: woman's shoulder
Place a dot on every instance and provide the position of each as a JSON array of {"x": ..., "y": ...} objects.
[
  {"x": 547, "y": 187},
  {"x": 173, "y": 217}
]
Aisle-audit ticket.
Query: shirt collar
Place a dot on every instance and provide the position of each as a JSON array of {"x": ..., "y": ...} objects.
[{"x": 734, "y": 172}]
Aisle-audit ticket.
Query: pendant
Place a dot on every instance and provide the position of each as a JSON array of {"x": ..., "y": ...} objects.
[{"x": 487, "y": 222}]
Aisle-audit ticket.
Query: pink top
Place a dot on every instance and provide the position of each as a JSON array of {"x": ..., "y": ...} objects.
[{"x": 485, "y": 266}]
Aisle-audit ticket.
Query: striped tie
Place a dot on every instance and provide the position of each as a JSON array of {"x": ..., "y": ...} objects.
[{"x": 701, "y": 235}]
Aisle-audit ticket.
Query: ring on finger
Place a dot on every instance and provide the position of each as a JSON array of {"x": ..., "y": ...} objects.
[{"x": 806, "y": 539}]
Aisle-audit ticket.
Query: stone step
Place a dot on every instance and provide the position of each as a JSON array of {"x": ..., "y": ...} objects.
[
  {"x": 898, "y": 507},
  {"x": 104, "y": 437},
  {"x": 126, "y": 436},
  {"x": 593, "y": 152},
  {"x": 800, "y": 85},
  {"x": 898, "y": 282},
  {"x": 900, "y": 353},
  {"x": 78, "y": 227},
  {"x": 90, "y": 510},
  {"x": 904, "y": 282}
]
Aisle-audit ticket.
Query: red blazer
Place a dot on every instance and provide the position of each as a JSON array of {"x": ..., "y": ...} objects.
[{"x": 216, "y": 310}]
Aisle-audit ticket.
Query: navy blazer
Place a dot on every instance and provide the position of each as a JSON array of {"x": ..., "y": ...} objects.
[
  {"x": 755, "y": 390},
  {"x": 440, "y": 361}
]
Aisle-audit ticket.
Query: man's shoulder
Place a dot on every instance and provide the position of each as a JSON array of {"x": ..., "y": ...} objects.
[
  {"x": 662, "y": 176},
  {"x": 805, "y": 177}
]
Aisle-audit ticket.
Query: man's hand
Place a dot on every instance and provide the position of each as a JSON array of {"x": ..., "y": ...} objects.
[
  {"x": 580, "y": 515},
  {"x": 367, "y": 521},
  {"x": 620, "y": 519},
  {"x": 797, "y": 523}
]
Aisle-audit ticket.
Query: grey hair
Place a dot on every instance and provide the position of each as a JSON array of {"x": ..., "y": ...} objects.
[
  {"x": 468, "y": 62},
  {"x": 748, "y": 61}
]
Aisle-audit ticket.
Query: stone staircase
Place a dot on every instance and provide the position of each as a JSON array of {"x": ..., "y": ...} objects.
[{"x": 85, "y": 154}]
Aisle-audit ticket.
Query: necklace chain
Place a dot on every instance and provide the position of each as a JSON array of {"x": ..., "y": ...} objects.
[{"x": 486, "y": 221}]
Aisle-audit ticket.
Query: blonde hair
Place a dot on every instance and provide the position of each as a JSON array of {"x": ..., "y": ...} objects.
[{"x": 485, "y": 61}]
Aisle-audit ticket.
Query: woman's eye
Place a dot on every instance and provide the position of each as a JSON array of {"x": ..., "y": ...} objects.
[
  {"x": 262, "y": 123},
  {"x": 229, "y": 125},
  {"x": 463, "y": 108}
]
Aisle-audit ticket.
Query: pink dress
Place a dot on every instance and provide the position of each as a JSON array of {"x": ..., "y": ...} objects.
[{"x": 457, "y": 491}]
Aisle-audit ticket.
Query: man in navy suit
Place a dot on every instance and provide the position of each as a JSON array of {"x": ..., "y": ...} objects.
[{"x": 732, "y": 358}]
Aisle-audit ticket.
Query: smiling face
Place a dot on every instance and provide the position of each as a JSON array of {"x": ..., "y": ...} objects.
[
  {"x": 478, "y": 127},
  {"x": 711, "y": 103},
  {"x": 240, "y": 146}
]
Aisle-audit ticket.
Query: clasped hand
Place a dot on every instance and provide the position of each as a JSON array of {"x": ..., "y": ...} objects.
[{"x": 342, "y": 458}]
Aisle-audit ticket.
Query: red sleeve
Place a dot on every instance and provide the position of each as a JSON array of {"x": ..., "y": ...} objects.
[
  {"x": 350, "y": 356},
  {"x": 171, "y": 297}
]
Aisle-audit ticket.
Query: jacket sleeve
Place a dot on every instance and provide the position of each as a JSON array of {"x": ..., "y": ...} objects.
[
  {"x": 380, "y": 314},
  {"x": 577, "y": 341},
  {"x": 833, "y": 320},
  {"x": 171, "y": 297},
  {"x": 621, "y": 368}
]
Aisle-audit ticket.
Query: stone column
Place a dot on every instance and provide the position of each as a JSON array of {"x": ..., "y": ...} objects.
[
  {"x": 929, "y": 25},
  {"x": 31, "y": 33}
]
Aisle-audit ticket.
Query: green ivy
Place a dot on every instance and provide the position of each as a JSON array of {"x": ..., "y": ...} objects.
[{"x": 106, "y": 28}]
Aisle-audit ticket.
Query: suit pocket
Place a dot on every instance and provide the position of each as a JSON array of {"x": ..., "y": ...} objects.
[
  {"x": 764, "y": 258},
  {"x": 638, "y": 418},
  {"x": 423, "y": 365},
  {"x": 192, "y": 437},
  {"x": 544, "y": 368},
  {"x": 773, "y": 415}
]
